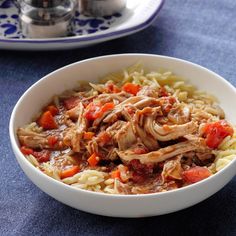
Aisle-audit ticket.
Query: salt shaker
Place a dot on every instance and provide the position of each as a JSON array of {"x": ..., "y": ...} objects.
[
  {"x": 46, "y": 18},
  {"x": 101, "y": 7}
]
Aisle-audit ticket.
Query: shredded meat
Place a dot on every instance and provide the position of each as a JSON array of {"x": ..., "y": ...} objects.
[
  {"x": 117, "y": 97},
  {"x": 75, "y": 133},
  {"x": 74, "y": 113},
  {"x": 125, "y": 137},
  {"x": 163, "y": 153},
  {"x": 149, "y": 91},
  {"x": 98, "y": 87},
  {"x": 147, "y": 101},
  {"x": 115, "y": 127},
  {"x": 92, "y": 146},
  {"x": 172, "y": 169},
  {"x": 146, "y": 139},
  {"x": 179, "y": 114},
  {"x": 32, "y": 139},
  {"x": 169, "y": 132},
  {"x": 113, "y": 116},
  {"x": 146, "y": 118},
  {"x": 38, "y": 140},
  {"x": 112, "y": 154}
]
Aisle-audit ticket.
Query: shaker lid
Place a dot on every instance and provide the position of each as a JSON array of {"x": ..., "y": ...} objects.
[{"x": 43, "y": 3}]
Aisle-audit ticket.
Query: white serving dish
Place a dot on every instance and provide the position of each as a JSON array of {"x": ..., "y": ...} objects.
[
  {"x": 121, "y": 205},
  {"x": 136, "y": 16}
]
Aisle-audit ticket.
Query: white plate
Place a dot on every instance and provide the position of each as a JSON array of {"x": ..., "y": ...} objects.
[{"x": 138, "y": 15}]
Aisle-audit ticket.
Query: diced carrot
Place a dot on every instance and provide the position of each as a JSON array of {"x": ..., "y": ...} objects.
[
  {"x": 26, "y": 151},
  {"x": 88, "y": 135},
  {"x": 108, "y": 106},
  {"x": 53, "y": 109},
  {"x": 131, "y": 88},
  {"x": 93, "y": 160},
  {"x": 69, "y": 172},
  {"x": 115, "y": 174},
  {"x": 47, "y": 121},
  {"x": 52, "y": 140}
]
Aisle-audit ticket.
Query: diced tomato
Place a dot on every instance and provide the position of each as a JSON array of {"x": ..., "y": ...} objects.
[
  {"x": 140, "y": 168},
  {"x": 167, "y": 103},
  {"x": 93, "y": 160},
  {"x": 140, "y": 150},
  {"x": 26, "y": 151},
  {"x": 69, "y": 172},
  {"x": 167, "y": 108},
  {"x": 161, "y": 164},
  {"x": 53, "y": 109},
  {"x": 104, "y": 138},
  {"x": 195, "y": 174},
  {"x": 52, "y": 140},
  {"x": 167, "y": 100},
  {"x": 162, "y": 92},
  {"x": 172, "y": 100},
  {"x": 216, "y": 132},
  {"x": 47, "y": 121},
  {"x": 94, "y": 111},
  {"x": 112, "y": 88},
  {"x": 86, "y": 103},
  {"x": 138, "y": 178},
  {"x": 42, "y": 156},
  {"x": 140, "y": 172},
  {"x": 131, "y": 88},
  {"x": 130, "y": 110},
  {"x": 71, "y": 102}
]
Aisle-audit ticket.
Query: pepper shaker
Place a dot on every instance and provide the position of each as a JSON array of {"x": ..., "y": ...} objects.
[
  {"x": 101, "y": 7},
  {"x": 46, "y": 18}
]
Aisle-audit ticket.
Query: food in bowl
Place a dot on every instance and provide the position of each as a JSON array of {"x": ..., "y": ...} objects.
[{"x": 135, "y": 132}]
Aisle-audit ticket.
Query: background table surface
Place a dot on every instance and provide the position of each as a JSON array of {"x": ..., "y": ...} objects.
[{"x": 203, "y": 32}]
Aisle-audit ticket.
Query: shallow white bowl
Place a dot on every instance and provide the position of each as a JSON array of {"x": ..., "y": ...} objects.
[{"x": 120, "y": 205}]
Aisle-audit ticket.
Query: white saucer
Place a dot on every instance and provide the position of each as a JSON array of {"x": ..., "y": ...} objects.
[{"x": 138, "y": 15}]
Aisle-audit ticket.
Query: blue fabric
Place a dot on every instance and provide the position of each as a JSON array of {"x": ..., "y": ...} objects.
[{"x": 203, "y": 32}]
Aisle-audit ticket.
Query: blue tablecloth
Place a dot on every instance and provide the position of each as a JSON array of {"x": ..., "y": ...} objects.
[{"x": 201, "y": 31}]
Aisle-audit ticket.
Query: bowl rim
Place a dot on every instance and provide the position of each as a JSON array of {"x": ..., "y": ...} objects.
[{"x": 18, "y": 153}]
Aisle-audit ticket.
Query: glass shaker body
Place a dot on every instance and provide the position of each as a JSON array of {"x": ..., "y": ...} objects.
[{"x": 47, "y": 18}]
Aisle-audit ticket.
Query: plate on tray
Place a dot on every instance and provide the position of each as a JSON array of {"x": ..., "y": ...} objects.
[{"x": 137, "y": 16}]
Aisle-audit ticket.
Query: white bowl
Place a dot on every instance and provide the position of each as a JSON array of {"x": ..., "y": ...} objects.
[{"x": 121, "y": 205}]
